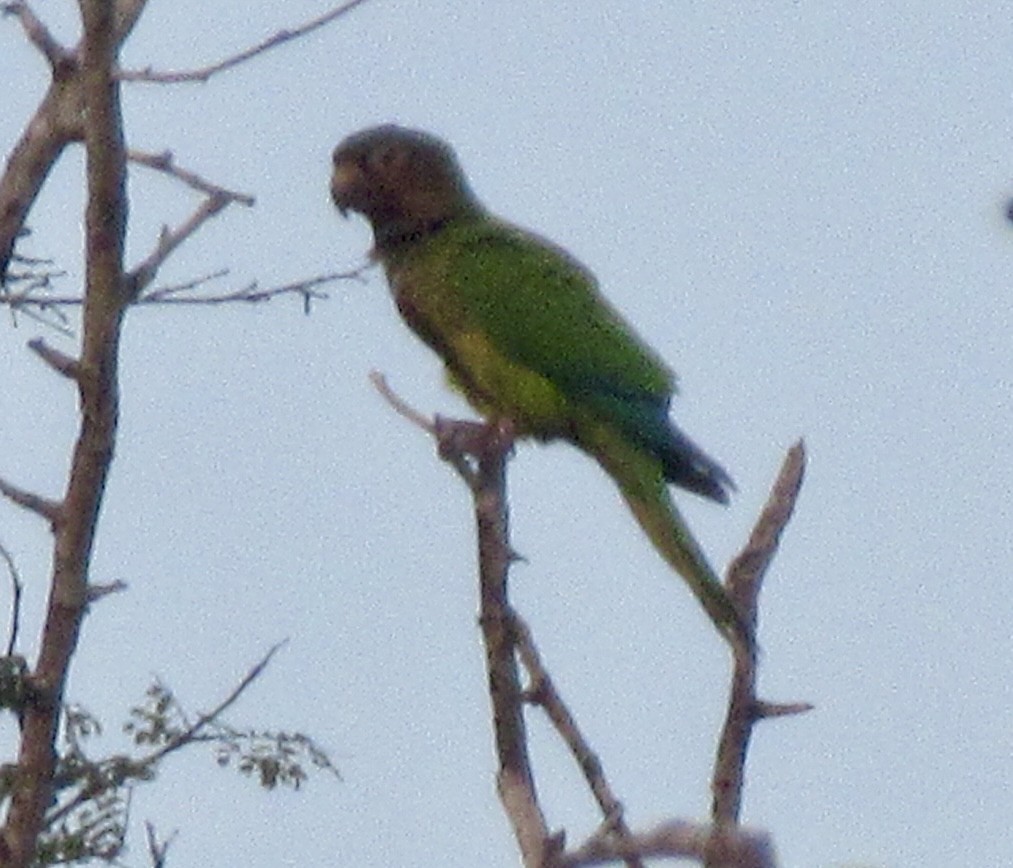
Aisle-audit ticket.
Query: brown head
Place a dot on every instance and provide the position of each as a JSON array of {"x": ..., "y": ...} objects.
[{"x": 405, "y": 182}]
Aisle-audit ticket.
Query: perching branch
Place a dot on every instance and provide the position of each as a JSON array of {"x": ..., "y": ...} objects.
[
  {"x": 489, "y": 446},
  {"x": 456, "y": 458}
]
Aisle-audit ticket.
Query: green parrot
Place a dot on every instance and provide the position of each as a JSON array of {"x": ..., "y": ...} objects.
[{"x": 527, "y": 337}]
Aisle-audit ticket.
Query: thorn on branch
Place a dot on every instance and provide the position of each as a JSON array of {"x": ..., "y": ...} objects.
[
  {"x": 97, "y": 592},
  {"x": 763, "y": 710}
]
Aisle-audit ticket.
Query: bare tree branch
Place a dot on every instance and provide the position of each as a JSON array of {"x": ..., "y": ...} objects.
[
  {"x": 515, "y": 781},
  {"x": 151, "y": 76},
  {"x": 57, "y": 122},
  {"x": 105, "y": 225},
  {"x": 490, "y": 445},
  {"x": 38, "y": 34},
  {"x": 157, "y": 850},
  {"x": 59, "y": 118},
  {"x": 307, "y": 289},
  {"x": 252, "y": 293},
  {"x": 217, "y": 198},
  {"x": 83, "y": 104},
  {"x": 145, "y": 273},
  {"x": 59, "y": 362},
  {"x": 743, "y": 581}
]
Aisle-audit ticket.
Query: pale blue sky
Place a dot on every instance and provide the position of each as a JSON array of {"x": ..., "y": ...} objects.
[{"x": 799, "y": 207}]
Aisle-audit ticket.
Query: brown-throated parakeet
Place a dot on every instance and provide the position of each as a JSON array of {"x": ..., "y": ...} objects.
[{"x": 526, "y": 335}]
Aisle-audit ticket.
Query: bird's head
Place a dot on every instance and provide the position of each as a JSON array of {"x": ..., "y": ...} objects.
[{"x": 405, "y": 182}]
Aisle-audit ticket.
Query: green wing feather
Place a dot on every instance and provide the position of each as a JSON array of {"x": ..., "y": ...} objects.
[{"x": 525, "y": 331}]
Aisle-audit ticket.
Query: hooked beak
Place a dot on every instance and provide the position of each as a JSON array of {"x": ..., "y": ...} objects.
[{"x": 346, "y": 186}]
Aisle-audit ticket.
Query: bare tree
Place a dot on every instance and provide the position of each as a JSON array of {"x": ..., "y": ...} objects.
[{"x": 53, "y": 778}]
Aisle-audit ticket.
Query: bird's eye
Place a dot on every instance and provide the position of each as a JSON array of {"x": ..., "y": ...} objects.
[{"x": 385, "y": 157}]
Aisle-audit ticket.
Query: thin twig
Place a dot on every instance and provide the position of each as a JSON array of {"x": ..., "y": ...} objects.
[
  {"x": 401, "y": 407},
  {"x": 192, "y": 733},
  {"x": 150, "y": 75},
  {"x": 142, "y": 276},
  {"x": 305, "y": 288},
  {"x": 172, "y": 295},
  {"x": 16, "y": 587},
  {"x": 48, "y": 509},
  {"x": 157, "y": 850},
  {"x": 456, "y": 459},
  {"x": 165, "y": 162}
]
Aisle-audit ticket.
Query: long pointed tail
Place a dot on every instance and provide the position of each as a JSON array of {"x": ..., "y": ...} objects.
[{"x": 641, "y": 482}]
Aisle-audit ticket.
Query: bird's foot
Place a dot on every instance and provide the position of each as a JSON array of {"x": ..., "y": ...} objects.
[{"x": 456, "y": 437}]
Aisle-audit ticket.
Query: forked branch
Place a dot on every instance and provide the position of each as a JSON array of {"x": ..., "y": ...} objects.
[
  {"x": 743, "y": 581},
  {"x": 479, "y": 454}
]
